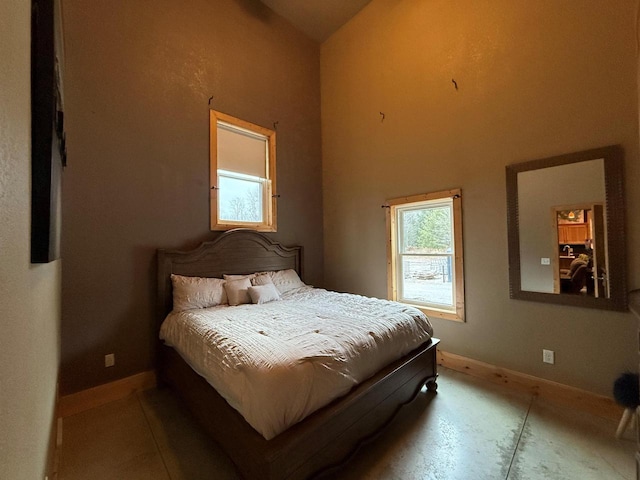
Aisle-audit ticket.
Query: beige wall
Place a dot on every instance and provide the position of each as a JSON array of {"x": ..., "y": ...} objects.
[
  {"x": 29, "y": 294},
  {"x": 138, "y": 79},
  {"x": 535, "y": 79}
]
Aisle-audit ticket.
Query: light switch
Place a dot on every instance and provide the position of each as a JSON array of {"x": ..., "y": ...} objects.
[{"x": 545, "y": 261}]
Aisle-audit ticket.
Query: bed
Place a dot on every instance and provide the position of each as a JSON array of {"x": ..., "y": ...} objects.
[{"x": 325, "y": 439}]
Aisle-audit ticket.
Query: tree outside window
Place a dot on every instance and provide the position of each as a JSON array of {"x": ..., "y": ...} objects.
[{"x": 425, "y": 253}]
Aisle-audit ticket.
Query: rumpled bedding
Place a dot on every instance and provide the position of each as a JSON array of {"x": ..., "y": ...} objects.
[{"x": 278, "y": 362}]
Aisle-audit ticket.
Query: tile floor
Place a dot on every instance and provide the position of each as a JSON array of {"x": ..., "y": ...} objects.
[{"x": 469, "y": 430}]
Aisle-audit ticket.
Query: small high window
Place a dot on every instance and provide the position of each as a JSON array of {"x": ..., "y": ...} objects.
[
  {"x": 243, "y": 173},
  {"x": 425, "y": 253}
]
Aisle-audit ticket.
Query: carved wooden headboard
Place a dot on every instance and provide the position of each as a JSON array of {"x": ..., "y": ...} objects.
[{"x": 233, "y": 252}]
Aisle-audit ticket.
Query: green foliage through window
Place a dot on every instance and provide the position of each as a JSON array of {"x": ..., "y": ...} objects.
[{"x": 427, "y": 230}]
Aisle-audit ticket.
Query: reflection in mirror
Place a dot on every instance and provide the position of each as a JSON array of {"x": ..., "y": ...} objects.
[
  {"x": 566, "y": 215},
  {"x": 582, "y": 265},
  {"x": 541, "y": 194}
]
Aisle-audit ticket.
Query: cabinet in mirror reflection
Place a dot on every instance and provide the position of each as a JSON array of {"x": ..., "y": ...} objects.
[{"x": 566, "y": 217}]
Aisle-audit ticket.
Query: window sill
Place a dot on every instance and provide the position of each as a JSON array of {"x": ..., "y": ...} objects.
[
  {"x": 435, "y": 313},
  {"x": 257, "y": 228}
]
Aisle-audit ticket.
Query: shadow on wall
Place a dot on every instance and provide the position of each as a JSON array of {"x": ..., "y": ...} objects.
[
  {"x": 256, "y": 9},
  {"x": 132, "y": 336}
]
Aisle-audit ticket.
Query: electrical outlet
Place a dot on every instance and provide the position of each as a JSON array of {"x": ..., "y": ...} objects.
[
  {"x": 545, "y": 261},
  {"x": 110, "y": 360},
  {"x": 548, "y": 356}
]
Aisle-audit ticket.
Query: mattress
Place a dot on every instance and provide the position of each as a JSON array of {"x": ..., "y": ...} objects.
[{"x": 278, "y": 362}]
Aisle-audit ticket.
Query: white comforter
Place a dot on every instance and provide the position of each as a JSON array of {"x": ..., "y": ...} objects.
[{"x": 276, "y": 363}]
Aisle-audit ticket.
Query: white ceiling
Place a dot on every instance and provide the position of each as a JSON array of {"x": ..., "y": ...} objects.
[{"x": 317, "y": 18}]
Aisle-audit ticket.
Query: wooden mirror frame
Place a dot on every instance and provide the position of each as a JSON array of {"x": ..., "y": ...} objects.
[{"x": 616, "y": 232}]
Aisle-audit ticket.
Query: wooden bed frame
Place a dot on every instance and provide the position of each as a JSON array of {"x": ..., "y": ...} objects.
[{"x": 324, "y": 440}]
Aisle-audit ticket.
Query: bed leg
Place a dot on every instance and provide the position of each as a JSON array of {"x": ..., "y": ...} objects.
[{"x": 432, "y": 385}]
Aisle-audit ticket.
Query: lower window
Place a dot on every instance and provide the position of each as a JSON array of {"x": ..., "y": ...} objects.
[
  {"x": 242, "y": 198},
  {"x": 425, "y": 253}
]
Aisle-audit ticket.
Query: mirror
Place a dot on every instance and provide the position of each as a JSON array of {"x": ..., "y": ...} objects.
[{"x": 566, "y": 229}]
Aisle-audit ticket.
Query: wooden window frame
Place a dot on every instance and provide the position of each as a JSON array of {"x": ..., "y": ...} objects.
[
  {"x": 270, "y": 221},
  {"x": 392, "y": 236}
]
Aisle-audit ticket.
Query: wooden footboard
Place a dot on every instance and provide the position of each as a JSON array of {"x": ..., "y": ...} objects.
[{"x": 325, "y": 439}]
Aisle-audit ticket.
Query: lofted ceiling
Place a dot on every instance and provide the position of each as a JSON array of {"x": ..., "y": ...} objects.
[{"x": 317, "y": 18}]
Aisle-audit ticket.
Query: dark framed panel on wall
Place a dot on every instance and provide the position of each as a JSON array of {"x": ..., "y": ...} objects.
[{"x": 48, "y": 152}]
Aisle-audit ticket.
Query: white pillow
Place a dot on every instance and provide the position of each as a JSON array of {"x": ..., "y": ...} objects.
[
  {"x": 238, "y": 291},
  {"x": 197, "y": 292},
  {"x": 262, "y": 279},
  {"x": 239, "y": 277},
  {"x": 286, "y": 280},
  {"x": 264, "y": 293}
]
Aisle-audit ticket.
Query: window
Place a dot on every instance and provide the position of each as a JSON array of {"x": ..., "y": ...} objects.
[
  {"x": 425, "y": 253},
  {"x": 243, "y": 174}
]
